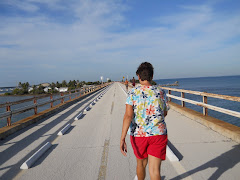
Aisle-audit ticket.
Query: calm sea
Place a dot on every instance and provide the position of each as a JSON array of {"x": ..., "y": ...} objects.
[{"x": 225, "y": 85}]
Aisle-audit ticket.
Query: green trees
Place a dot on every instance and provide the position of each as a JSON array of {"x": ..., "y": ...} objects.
[
  {"x": 64, "y": 83},
  {"x": 38, "y": 90},
  {"x": 21, "y": 89},
  {"x": 93, "y": 83},
  {"x": 58, "y": 85},
  {"x": 24, "y": 88}
]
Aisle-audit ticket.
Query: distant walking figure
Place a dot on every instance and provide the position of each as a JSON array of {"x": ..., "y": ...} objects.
[
  {"x": 126, "y": 84},
  {"x": 146, "y": 108},
  {"x": 133, "y": 82}
]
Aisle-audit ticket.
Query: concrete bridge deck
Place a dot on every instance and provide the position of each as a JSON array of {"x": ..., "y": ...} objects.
[{"x": 90, "y": 149}]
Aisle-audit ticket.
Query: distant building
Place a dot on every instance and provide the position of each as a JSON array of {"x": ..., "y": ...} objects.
[
  {"x": 46, "y": 89},
  {"x": 30, "y": 89},
  {"x": 63, "y": 89},
  {"x": 45, "y": 84}
]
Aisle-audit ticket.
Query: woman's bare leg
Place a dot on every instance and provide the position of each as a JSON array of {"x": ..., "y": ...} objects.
[
  {"x": 141, "y": 168},
  {"x": 154, "y": 167}
]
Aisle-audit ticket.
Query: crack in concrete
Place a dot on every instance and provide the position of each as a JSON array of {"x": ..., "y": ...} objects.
[
  {"x": 112, "y": 107},
  {"x": 104, "y": 159}
]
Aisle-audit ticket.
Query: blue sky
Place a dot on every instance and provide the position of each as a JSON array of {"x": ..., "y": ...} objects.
[{"x": 49, "y": 41}]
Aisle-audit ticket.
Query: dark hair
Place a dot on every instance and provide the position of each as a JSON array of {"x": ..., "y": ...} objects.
[{"x": 145, "y": 71}]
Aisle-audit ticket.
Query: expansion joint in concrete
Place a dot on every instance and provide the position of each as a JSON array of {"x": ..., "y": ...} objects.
[{"x": 103, "y": 167}]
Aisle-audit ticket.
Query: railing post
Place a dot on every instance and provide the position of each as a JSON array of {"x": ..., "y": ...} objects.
[
  {"x": 51, "y": 97},
  {"x": 62, "y": 100},
  {"x": 169, "y": 99},
  {"x": 8, "y": 108},
  {"x": 183, "y": 96},
  {"x": 205, "y": 110},
  {"x": 70, "y": 95},
  {"x": 35, "y": 108}
]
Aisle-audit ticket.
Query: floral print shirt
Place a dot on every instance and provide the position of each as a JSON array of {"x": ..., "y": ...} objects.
[{"x": 149, "y": 103}]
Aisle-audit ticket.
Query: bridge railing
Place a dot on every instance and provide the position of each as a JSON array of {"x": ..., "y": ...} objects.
[
  {"x": 204, "y": 103},
  {"x": 77, "y": 92}
]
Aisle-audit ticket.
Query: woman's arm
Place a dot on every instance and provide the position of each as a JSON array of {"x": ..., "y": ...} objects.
[
  {"x": 126, "y": 123},
  {"x": 165, "y": 113}
]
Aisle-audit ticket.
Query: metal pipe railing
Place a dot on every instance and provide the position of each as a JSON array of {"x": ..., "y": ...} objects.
[
  {"x": 204, "y": 103},
  {"x": 78, "y": 93}
]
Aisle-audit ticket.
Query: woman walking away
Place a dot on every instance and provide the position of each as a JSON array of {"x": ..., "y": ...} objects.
[
  {"x": 133, "y": 82},
  {"x": 146, "y": 108},
  {"x": 126, "y": 84}
]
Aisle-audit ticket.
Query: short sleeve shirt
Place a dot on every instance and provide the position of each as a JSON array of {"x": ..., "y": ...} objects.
[{"x": 149, "y": 103}]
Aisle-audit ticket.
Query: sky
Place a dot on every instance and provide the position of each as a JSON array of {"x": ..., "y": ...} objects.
[{"x": 55, "y": 40}]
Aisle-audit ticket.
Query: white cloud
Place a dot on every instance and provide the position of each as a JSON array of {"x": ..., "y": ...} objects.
[
  {"x": 21, "y": 5},
  {"x": 191, "y": 38}
]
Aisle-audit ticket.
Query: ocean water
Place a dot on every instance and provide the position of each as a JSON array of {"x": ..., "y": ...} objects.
[
  {"x": 225, "y": 85},
  {"x": 15, "y": 118}
]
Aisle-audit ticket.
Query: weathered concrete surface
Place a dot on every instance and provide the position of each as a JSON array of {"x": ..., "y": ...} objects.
[{"x": 90, "y": 150}]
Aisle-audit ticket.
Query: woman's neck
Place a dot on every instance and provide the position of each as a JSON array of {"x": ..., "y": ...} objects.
[{"x": 145, "y": 83}]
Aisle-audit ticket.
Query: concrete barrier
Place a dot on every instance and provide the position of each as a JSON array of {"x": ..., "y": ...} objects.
[
  {"x": 78, "y": 116},
  {"x": 62, "y": 132},
  {"x": 171, "y": 156},
  {"x": 28, "y": 163},
  {"x": 87, "y": 108}
]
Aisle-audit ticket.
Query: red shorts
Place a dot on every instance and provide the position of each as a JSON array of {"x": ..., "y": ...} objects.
[{"x": 153, "y": 145}]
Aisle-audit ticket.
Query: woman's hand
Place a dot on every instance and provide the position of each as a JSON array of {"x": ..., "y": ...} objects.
[
  {"x": 126, "y": 123},
  {"x": 123, "y": 147}
]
